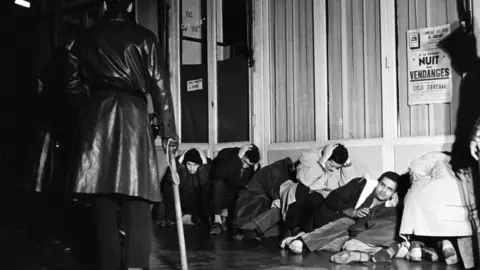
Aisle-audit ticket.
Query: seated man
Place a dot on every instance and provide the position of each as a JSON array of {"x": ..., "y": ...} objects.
[
  {"x": 330, "y": 221},
  {"x": 319, "y": 172},
  {"x": 434, "y": 207},
  {"x": 232, "y": 170},
  {"x": 373, "y": 236},
  {"x": 259, "y": 195},
  {"x": 194, "y": 171}
]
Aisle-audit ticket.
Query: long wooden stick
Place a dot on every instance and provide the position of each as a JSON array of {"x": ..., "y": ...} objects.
[{"x": 178, "y": 208}]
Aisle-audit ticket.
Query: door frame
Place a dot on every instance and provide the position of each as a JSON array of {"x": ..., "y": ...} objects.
[{"x": 175, "y": 43}]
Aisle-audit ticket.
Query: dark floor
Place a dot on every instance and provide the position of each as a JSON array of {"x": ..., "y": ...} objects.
[{"x": 24, "y": 247}]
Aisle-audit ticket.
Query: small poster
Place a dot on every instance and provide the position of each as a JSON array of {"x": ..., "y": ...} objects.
[
  {"x": 192, "y": 19},
  {"x": 194, "y": 85},
  {"x": 429, "y": 69}
]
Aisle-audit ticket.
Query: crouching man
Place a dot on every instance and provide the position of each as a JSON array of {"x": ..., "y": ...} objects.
[
  {"x": 232, "y": 170},
  {"x": 193, "y": 170}
]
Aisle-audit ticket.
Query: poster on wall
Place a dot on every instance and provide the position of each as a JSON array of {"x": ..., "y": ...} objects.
[
  {"x": 191, "y": 28},
  {"x": 429, "y": 69},
  {"x": 192, "y": 19}
]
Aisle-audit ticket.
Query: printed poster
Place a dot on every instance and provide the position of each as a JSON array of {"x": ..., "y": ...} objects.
[
  {"x": 429, "y": 69},
  {"x": 194, "y": 85}
]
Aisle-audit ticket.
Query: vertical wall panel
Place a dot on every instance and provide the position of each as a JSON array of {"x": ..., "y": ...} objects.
[
  {"x": 431, "y": 119},
  {"x": 290, "y": 48},
  {"x": 354, "y": 53},
  {"x": 404, "y": 109},
  {"x": 280, "y": 90},
  {"x": 357, "y": 95},
  {"x": 296, "y": 68},
  {"x": 334, "y": 36},
  {"x": 309, "y": 109},
  {"x": 293, "y": 112},
  {"x": 419, "y": 113},
  {"x": 439, "y": 116},
  {"x": 374, "y": 73},
  {"x": 347, "y": 67}
]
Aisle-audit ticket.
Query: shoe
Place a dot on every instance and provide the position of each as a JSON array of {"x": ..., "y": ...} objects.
[
  {"x": 216, "y": 228},
  {"x": 346, "y": 257},
  {"x": 403, "y": 251},
  {"x": 296, "y": 246},
  {"x": 187, "y": 220},
  {"x": 415, "y": 253},
  {"x": 429, "y": 254},
  {"x": 286, "y": 241},
  {"x": 238, "y": 237},
  {"x": 386, "y": 254},
  {"x": 449, "y": 253},
  {"x": 251, "y": 235}
]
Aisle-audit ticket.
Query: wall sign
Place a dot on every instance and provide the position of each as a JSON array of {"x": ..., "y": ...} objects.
[
  {"x": 429, "y": 69},
  {"x": 194, "y": 85},
  {"x": 191, "y": 19}
]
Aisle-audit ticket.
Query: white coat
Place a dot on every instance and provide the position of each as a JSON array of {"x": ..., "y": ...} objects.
[{"x": 434, "y": 204}]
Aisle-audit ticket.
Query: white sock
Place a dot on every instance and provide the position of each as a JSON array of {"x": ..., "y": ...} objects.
[{"x": 218, "y": 219}]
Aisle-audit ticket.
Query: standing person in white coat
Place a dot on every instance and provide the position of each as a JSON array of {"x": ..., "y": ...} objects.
[{"x": 434, "y": 207}]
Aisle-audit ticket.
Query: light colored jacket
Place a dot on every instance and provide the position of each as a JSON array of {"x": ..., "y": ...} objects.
[
  {"x": 435, "y": 204},
  {"x": 314, "y": 176}
]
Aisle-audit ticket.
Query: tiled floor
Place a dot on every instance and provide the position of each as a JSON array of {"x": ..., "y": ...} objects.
[{"x": 23, "y": 250}]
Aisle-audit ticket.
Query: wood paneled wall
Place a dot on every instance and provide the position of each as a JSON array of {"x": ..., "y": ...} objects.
[
  {"x": 292, "y": 103},
  {"x": 431, "y": 119},
  {"x": 354, "y": 69}
]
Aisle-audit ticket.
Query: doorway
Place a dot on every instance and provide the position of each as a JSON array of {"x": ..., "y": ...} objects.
[{"x": 214, "y": 95}]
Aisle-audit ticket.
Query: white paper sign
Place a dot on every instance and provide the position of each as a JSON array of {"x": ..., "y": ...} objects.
[
  {"x": 195, "y": 85},
  {"x": 191, "y": 19},
  {"x": 429, "y": 69}
]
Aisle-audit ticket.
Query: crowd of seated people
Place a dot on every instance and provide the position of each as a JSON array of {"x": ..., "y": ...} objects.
[{"x": 317, "y": 204}]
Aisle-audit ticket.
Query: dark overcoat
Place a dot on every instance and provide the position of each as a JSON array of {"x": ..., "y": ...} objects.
[{"x": 112, "y": 69}]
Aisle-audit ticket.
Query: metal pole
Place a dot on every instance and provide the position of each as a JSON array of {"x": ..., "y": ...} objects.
[{"x": 178, "y": 208}]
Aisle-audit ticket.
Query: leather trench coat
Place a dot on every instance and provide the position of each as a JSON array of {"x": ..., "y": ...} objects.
[
  {"x": 111, "y": 71},
  {"x": 54, "y": 129}
]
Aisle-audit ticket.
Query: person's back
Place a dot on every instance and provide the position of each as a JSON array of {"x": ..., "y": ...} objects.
[
  {"x": 435, "y": 204},
  {"x": 111, "y": 70},
  {"x": 115, "y": 53},
  {"x": 117, "y": 61}
]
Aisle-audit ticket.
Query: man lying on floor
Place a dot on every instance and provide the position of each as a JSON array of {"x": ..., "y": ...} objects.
[{"x": 365, "y": 225}]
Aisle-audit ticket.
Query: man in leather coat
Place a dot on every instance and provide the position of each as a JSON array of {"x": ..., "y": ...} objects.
[{"x": 112, "y": 69}]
